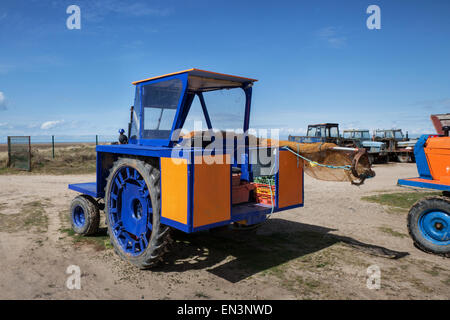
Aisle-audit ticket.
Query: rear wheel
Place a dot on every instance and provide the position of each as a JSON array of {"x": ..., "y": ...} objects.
[
  {"x": 84, "y": 215},
  {"x": 429, "y": 225},
  {"x": 404, "y": 157},
  {"x": 132, "y": 204}
]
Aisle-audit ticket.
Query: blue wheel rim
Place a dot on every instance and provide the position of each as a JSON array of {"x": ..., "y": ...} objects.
[
  {"x": 78, "y": 217},
  {"x": 435, "y": 227},
  {"x": 130, "y": 210}
]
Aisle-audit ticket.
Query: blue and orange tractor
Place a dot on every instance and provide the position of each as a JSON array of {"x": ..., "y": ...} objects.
[
  {"x": 155, "y": 182},
  {"x": 429, "y": 219}
]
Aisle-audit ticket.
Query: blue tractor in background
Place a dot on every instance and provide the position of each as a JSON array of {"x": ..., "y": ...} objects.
[
  {"x": 360, "y": 138},
  {"x": 323, "y": 132}
]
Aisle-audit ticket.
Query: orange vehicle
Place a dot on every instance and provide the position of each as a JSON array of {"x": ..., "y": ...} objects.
[{"x": 429, "y": 218}]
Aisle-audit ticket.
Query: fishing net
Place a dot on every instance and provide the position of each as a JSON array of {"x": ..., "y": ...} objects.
[
  {"x": 329, "y": 162},
  {"x": 323, "y": 161}
]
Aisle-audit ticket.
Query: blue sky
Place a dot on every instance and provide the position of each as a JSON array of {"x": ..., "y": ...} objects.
[{"x": 316, "y": 61}]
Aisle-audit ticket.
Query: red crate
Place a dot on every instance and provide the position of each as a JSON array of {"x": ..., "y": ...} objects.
[
  {"x": 235, "y": 179},
  {"x": 241, "y": 193}
]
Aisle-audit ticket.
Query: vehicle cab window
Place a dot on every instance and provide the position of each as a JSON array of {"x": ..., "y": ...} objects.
[
  {"x": 398, "y": 135},
  {"x": 159, "y": 103},
  {"x": 334, "y": 132}
]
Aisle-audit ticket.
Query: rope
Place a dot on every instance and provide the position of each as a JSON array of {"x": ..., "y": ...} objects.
[{"x": 314, "y": 163}]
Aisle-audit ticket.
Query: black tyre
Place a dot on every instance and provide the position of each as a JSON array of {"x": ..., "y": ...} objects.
[
  {"x": 404, "y": 157},
  {"x": 132, "y": 207},
  {"x": 429, "y": 225},
  {"x": 84, "y": 215}
]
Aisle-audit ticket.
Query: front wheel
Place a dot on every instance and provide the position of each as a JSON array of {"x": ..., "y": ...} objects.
[
  {"x": 84, "y": 215},
  {"x": 132, "y": 204},
  {"x": 429, "y": 225}
]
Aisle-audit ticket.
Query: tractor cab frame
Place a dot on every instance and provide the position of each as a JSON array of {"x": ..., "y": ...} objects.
[
  {"x": 323, "y": 132},
  {"x": 162, "y": 104},
  {"x": 360, "y": 138}
]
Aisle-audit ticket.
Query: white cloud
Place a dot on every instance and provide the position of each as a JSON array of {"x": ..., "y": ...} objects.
[
  {"x": 2, "y": 101},
  {"x": 51, "y": 124},
  {"x": 332, "y": 36}
]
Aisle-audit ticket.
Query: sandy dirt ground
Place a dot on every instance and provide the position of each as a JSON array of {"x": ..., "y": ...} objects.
[{"x": 321, "y": 251}]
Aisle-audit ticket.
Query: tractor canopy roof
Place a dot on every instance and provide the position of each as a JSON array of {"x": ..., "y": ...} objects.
[
  {"x": 328, "y": 124},
  {"x": 356, "y": 130},
  {"x": 387, "y": 130},
  {"x": 201, "y": 80}
]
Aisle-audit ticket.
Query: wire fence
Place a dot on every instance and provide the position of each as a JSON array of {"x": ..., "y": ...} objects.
[
  {"x": 56, "y": 142},
  {"x": 25, "y": 152},
  {"x": 19, "y": 152}
]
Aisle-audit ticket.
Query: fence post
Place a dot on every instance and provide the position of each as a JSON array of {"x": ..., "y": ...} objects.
[
  {"x": 9, "y": 152},
  {"x": 29, "y": 153},
  {"x": 53, "y": 147}
]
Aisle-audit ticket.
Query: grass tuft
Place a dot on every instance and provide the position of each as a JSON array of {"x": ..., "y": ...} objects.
[
  {"x": 398, "y": 202},
  {"x": 392, "y": 232},
  {"x": 99, "y": 241},
  {"x": 31, "y": 217}
]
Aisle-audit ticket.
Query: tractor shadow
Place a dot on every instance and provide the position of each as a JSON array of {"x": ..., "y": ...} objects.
[{"x": 235, "y": 255}]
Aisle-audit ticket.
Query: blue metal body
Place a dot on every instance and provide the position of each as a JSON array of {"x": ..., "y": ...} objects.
[
  {"x": 253, "y": 213},
  {"x": 421, "y": 159},
  {"x": 374, "y": 146},
  {"x": 423, "y": 184},
  {"x": 422, "y": 168},
  {"x": 131, "y": 186}
]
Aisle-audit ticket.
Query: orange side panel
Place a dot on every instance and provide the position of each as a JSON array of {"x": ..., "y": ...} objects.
[
  {"x": 212, "y": 195},
  {"x": 438, "y": 143},
  {"x": 174, "y": 190},
  {"x": 439, "y": 163},
  {"x": 290, "y": 180},
  {"x": 437, "y": 151}
]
